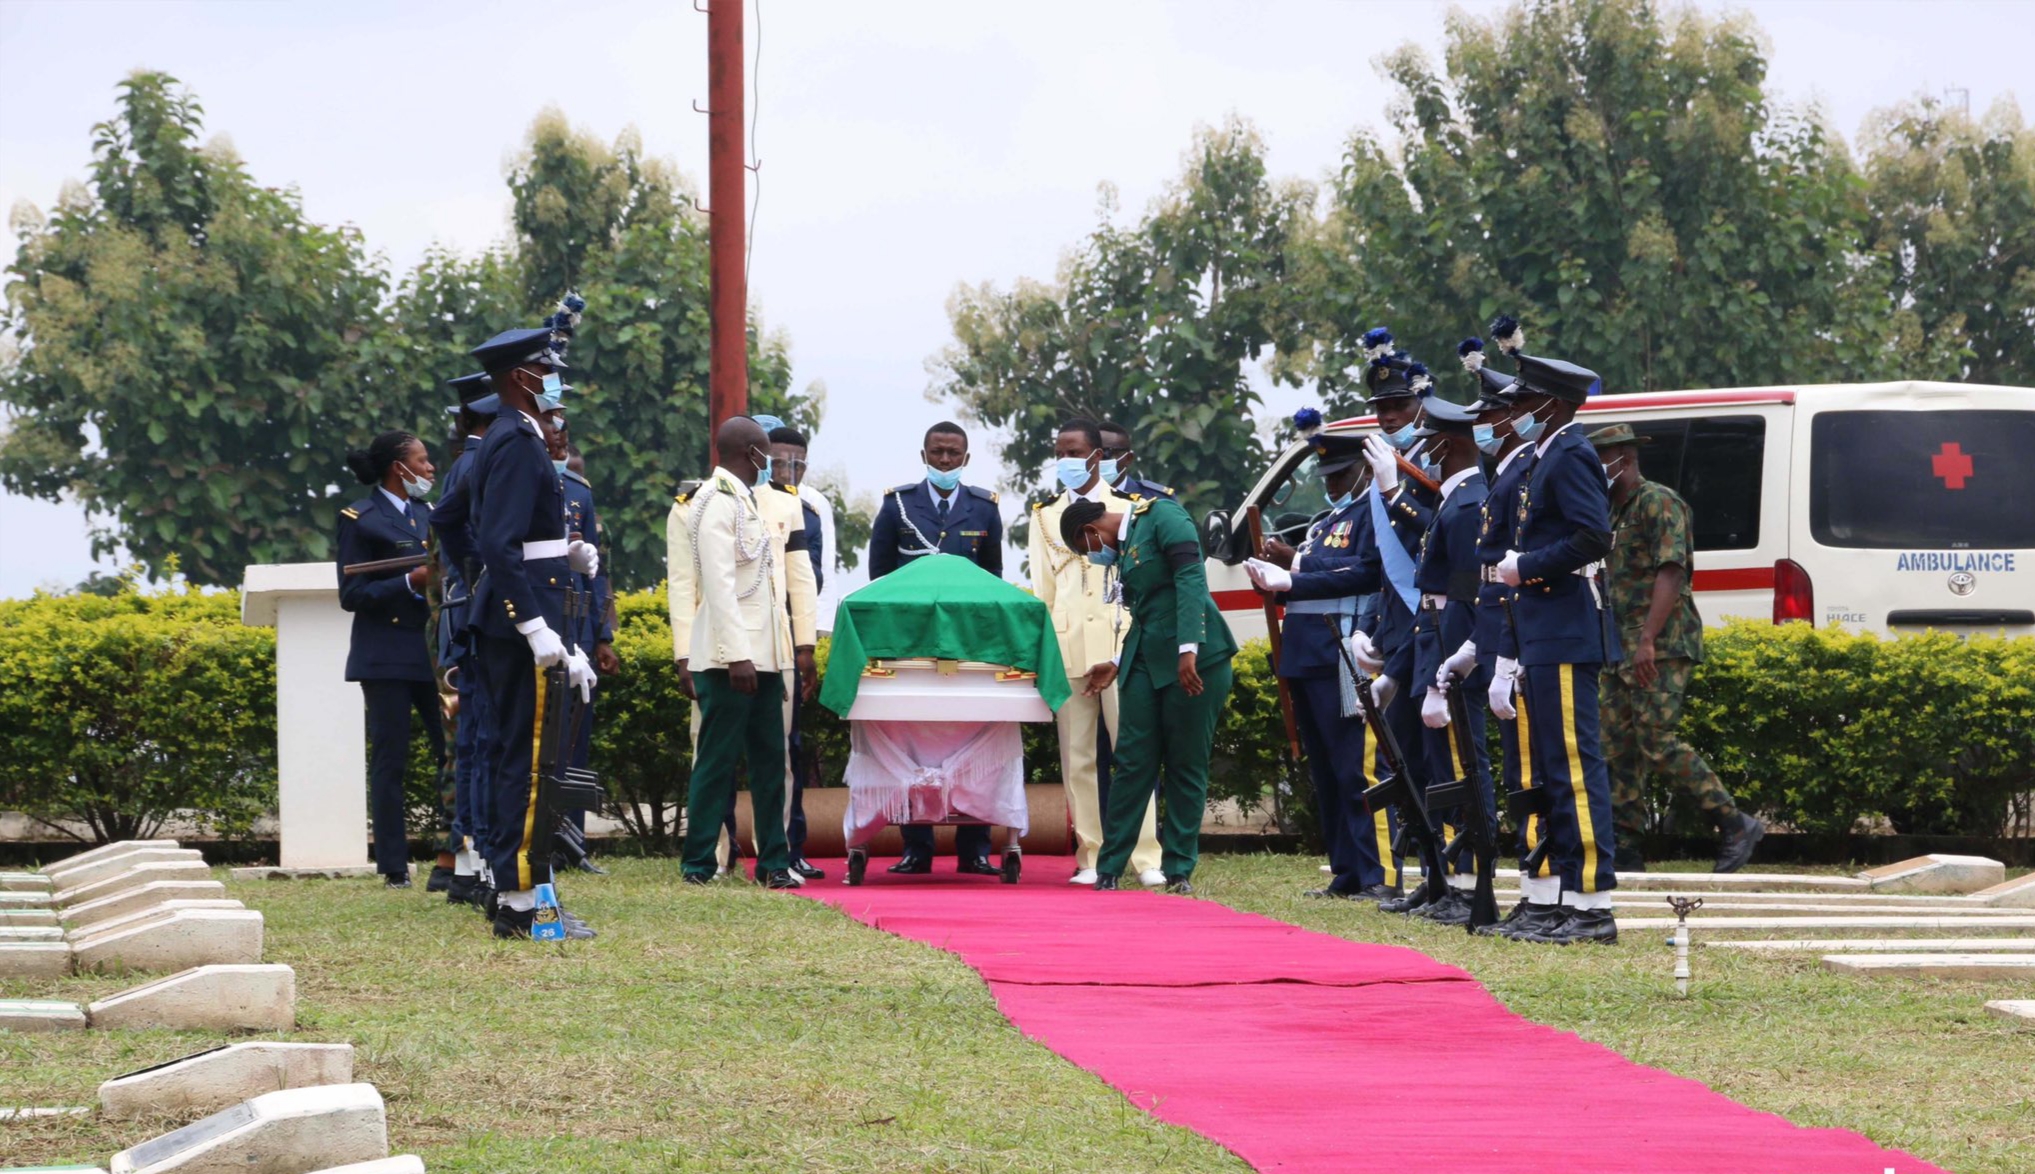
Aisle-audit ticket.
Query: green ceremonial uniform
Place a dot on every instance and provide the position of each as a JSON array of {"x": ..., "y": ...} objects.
[
  {"x": 1651, "y": 531},
  {"x": 1163, "y": 736}
]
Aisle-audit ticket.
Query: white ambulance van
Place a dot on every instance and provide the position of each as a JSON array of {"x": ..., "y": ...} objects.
[{"x": 1886, "y": 507}]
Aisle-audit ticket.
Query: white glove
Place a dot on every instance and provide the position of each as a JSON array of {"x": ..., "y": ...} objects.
[
  {"x": 1462, "y": 664},
  {"x": 584, "y": 558},
  {"x": 1268, "y": 576},
  {"x": 1384, "y": 461},
  {"x": 1508, "y": 568},
  {"x": 1365, "y": 654},
  {"x": 579, "y": 674},
  {"x": 1434, "y": 710},
  {"x": 545, "y": 645},
  {"x": 1383, "y": 690},
  {"x": 1501, "y": 688}
]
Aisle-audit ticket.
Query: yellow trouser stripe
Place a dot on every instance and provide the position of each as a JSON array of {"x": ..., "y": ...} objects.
[
  {"x": 523, "y": 880},
  {"x": 1534, "y": 831},
  {"x": 1381, "y": 823},
  {"x": 1575, "y": 758}
]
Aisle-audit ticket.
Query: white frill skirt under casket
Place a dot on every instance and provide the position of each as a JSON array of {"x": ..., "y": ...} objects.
[{"x": 933, "y": 772}]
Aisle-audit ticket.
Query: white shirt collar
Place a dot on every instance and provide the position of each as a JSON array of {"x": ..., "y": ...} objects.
[
  {"x": 1123, "y": 530},
  {"x": 933, "y": 491},
  {"x": 1508, "y": 458},
  {"x": 1102, "y": 493},
  {"x": 1449, "y": 486},
  {"x": 402, "y": 505},
  {"x": 1541, "y": 448}
]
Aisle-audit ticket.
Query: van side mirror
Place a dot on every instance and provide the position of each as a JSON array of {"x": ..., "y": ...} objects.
[{"x": 1218, "y": 537}]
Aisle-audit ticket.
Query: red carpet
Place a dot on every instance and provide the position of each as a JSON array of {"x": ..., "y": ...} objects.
[{"x": 1281, "y": 1079}]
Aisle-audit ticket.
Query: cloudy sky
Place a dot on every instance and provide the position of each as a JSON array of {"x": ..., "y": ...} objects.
[{"x": 905, "y": 147}]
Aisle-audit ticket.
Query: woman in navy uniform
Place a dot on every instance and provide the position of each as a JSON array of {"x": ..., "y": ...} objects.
[{"x": 388, "y": 654}]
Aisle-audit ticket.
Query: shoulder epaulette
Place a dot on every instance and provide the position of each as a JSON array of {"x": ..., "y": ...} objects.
[
  {"x": 1164, "y": 489},
  {"x": 350, "y": 512},
  {"x": 682, "y": 498},
  {"x": 979, "y": 491},
  {"x": 905, "y": 488},
  {"x": 1140, "y": 505},
  {"x": 791, "y": 489}
]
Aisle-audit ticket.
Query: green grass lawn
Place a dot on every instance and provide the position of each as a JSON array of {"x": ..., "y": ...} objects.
[{"x": 732, "y": 1030}]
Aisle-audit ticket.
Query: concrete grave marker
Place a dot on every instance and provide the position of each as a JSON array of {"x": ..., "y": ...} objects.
[
  {"x": 10, "y": 916},
  {"x": 2018, "y": 893},
  {"x": 2019, "y": 1010},
  {"x": 1884, "y": 945},
  {"x": 40, "y": 1015},
  {"x": 24, "y": 882},
  {"x": 135, "y": 877},
  {"x": 30, "y": 933},
  {"x": 35, "y": 959},
  {"x": 94, "y": 871},
  {"x": 285, "y": 1132},
  {"x": 150, "y": 913},
  {"x": 1934, "y": 965},
  {"x": 13, "y": 900},
  {"x": 1833, "y": 921},
  {"x": 104, "y": 850},
  {"x": 152, "y": 893},
  {"x": 224, "y": 998},
  {"x": 224, "y": 1076},
  {"x": 177, "y": 940},
  {"x": 1936, "y": 873}
]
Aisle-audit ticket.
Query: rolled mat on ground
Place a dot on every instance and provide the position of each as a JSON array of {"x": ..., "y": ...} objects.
[{"x": 1128, "y": 985}]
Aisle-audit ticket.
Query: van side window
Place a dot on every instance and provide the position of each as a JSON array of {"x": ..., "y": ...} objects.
[{"x": 1715, "y": 464}]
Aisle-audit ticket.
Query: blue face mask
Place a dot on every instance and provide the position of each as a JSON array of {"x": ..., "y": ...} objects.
[
  {"x": 1341, "y": 503},
  {"x": 560, "y": 466},
  {"x": 1527, "y": 427},
  {"x": 1402, "y": 439},
  {"x": 1107, "y": 467},
  {"x": 944, "y": 480},
  {"x": 1106, "y": 557},
  {"x": 763, "y": 474},
  {"x": 1487, "y": 439},
  {"x": 1072, "y": 471}
]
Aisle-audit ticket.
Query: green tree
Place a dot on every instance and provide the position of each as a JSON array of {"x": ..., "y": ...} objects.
[
  {"x": 1153, "y": 325},
  {"x": 188, "y": 347},
  {"x": 1953, "y": 211},
  {"x": 1619, "y": 180}
]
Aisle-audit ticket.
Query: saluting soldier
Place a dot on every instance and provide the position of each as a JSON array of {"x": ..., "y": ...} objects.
[
  {"x": 939, "y": 515},
  {"x": 518, "y": 613},
  {"x": 1319, "y": 585},
  {"x": 388, "y": 653},
  {"x": 1649, "y": 569},
  {"x": 1090, "y": 626},
  {"x": 475, "y": 411},
  {"x": 1565, "y": 634},
  {"x": 1173, "y": 676},
  {"x": 1447, "y": 578}
]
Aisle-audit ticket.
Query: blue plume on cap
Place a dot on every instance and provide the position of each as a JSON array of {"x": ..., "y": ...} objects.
[
  {"x": 574, "y": 304},
  {"x": 1596, "y": 388},
  {"x": 1307, "y": 421},
  {"x": 1377, "y": 341},
  {"x": 1506, "y": 333},
  {"x": 1472, "y": 343}
]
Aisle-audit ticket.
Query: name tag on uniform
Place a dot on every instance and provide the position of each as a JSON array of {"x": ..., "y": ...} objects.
[{"x": 973, "y": 533}]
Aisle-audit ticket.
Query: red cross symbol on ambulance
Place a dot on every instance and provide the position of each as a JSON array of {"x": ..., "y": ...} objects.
[{"x": 1951, "y": 465}]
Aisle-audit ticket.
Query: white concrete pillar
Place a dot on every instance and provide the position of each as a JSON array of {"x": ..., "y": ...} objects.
[{"x": 321, "y": 731}]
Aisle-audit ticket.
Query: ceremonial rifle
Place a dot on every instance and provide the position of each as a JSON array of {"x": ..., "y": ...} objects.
[
  {"x": 1527, "y": 802},
  {"x": 1254, "y": 517},
  {"x": 1396, "y": 788},
  {"x": 404, "y": 563},
  {"x": 562, "y": 788},
  {"x": 1479, "y": 836}
]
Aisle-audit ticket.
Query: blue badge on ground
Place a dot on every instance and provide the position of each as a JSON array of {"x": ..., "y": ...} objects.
[{"x": 546, "y": 925}]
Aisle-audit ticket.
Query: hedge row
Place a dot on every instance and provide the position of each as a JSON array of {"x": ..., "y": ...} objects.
[{"x": 116, "y": 711}]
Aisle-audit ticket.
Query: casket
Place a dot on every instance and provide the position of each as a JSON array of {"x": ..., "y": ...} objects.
[{"x": 923, "y": 689}]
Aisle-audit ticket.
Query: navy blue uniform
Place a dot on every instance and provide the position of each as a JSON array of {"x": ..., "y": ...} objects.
[
  {"x": 593, "y": 628},
  {"x": 469, "y": 751},
  {"x": 516, "y": 499},
  {"x": 910, "y": 526},
  {"x": 1496, "y": 527},
  {"x": 1139, "y": 489},
  {"x": 1447, "y": 577},
  {"x": 801, "y": 769},
  {"x": 389, "y": 656},
  {"x": 1566, "y": 633},
  {"x": 1334, "y": 566},
  {"x": 1408, "y": 512}
]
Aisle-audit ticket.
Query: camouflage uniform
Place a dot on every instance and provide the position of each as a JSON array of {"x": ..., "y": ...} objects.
[{"x": 1651, "y": 530}]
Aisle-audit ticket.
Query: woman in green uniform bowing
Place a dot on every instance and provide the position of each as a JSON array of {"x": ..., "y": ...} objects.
[{"x": 1172, "y": 678}]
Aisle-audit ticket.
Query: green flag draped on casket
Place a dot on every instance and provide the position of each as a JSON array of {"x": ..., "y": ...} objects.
[{"x": 947, "y": 608}]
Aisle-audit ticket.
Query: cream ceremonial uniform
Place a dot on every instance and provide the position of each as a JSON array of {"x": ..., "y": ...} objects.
[
  {"x": 783, "y": 516},
  {"x": 1091, "y": 633}
]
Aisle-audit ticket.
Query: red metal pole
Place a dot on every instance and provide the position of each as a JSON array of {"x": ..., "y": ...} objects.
[{"x": 727, "y": 197}]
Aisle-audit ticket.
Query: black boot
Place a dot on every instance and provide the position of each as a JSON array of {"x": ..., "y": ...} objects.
[
  {"x": 1376, "y": 893},
  {"x": 465, "y": 890},
  {"x": 979, "y": 866},
  {"x": 1105, "y": 884},
  {"x": 1586, "y": 925},
  {"x": 805, "y": 868},
  {"x": 1509, "y": 920},
  {"x": 1742, "y": 832},
  {"x": 1452, "y": 909},
  {"x": 1408, "y": 903},
  {"x": 441, "y": 879},
  {"x": 776, "y": 878},
  {"x": 1536, "y": 923},
  {"x": 912, "y": 863},
  {"x": 513, "y": 923}
]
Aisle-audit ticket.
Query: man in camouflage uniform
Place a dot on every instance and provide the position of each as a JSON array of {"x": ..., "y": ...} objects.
[{"x": 1649, "y": 569}]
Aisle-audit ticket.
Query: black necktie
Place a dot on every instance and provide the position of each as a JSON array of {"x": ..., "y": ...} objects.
[{"x": 943, "y": 513}]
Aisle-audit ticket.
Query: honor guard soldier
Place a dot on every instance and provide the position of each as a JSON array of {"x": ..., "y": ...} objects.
[
  {"x": 1566, "y": 634},
  {"x": 474, "y": 412},
  {"x": 788, "y": 473},
  {"x": 594, "y": 633},
  {"x": 1090, "y": 626},
  {"x": 1401, "y": 509},
  {"x": 1319, "y": 585},
  {"x": 1119, "y": 458},
  {"x": 1173, "y": 676},
  {"x": 517, "y": 611},
  {"x": 939, "y": 515},
  {"x": 1641, "y": 703},
  {"x": 388, "y": 653},
  {"x": 739, "y": 652},
  {"x": 1443, "y": 655}
]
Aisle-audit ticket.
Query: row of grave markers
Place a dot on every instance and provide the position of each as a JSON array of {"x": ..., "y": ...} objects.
[{"x": 152, "y": 905}]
